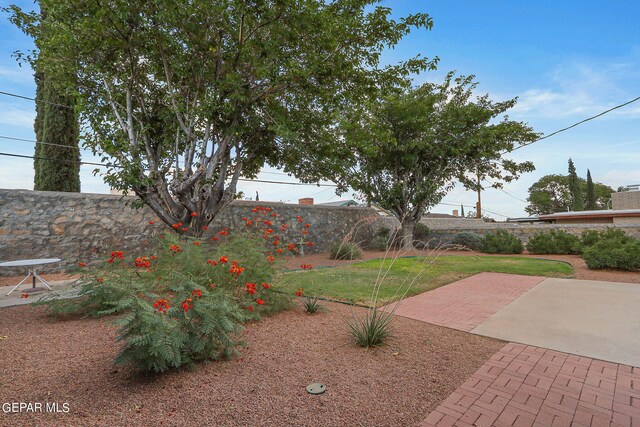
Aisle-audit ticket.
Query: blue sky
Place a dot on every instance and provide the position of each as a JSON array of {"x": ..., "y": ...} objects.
[{"x": 564, "y": 60}]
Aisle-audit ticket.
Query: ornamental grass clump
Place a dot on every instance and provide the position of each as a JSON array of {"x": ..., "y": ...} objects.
[
  {"x": 345, "y": 251},
  {"x": 187, "y": 301}
]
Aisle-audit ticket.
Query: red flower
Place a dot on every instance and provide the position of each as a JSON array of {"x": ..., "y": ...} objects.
[
  {"x": 193, "y": 214},
  {"x": 186, "y": 305},
  {"x": 291, "y": 246},
  {"x": 110, "y": 260},
  {"x": 196, "y": 243},
  {"x": 283, "y": 227},
  {"x": 153, "y": 257},
  {"x": 161, "y": 305},
  {"x": 24, "y": 296},
  {"x": 205, "y": 227},
  {"x": 175, "y": 248},
  {"x": 274, "y": 214},
  {"x": 270, "y": 259},
  {"x": 279, "y": 250},
  {"x": 266, "y": 286},
  {"x": 309, "y": 244},
  {"x": 250, "y": 308},
  {"x": 299, "y": 292},
  {"x": 176, "y": 225},
  {"x": 307, "y": 225},
  {"x": 269, "y": 231},
  {"x": 196, "y": 293},
  {"x": 267, "y": 223},
  {"x": 251, "y": 288},
  {"x": 82, "y": 264},
  {"x": 224, "y": 259},
  {"x": 184, "y": 228},
  {"x": 152, "y": 222},
  {"x": 212, "y": 262},
  {"x": 100, "y": 279},
  {"x": 249, "y": 222},
  {"x": 117, "y": 254},
  {"x": 142, "y": 262},
  {"x": 306, "y": 266},
  {"x": 305, "y": 232},
  {"x": 214, "y": 238},
  {"x": 223, "y": 233},
  {"x": 260, "y": 301}
]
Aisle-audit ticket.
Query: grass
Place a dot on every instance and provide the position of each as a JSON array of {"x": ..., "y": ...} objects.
[{"x": 354, "y": 283}]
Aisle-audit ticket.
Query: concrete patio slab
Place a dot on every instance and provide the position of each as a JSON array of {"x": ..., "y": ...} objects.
[
  {"x": 589, "y": 318},
  {"x": 61, "y": 287}
]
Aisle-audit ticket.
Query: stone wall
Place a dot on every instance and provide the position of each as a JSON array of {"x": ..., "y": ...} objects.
[
  {"x": 443, "y": 233},
  {"x": 86, "y": 227}
]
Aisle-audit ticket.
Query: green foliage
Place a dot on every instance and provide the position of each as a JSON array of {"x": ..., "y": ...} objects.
[
  {"x": 551, "y": 194},
  {"x": 591, "y": 237},
  {"x": 421, "y": 232},
  {"x": 186, "y": 97},
  {"x": 411, "y": 145},
  {"x": 613, "y": 253},
  {"x": 575, "y": 194},
  {"x": 382, "y": 239},
  {"x": 554, "y": 242},
  {"x": 468, "y": 240},
  {"x": 312, "y": 304},
  {"x": 591, "y": 193},
  {"x": 371, "y": 330},
  {"x": 186, "y": 302},
  {"x": 345, "y": 250},
  {"x": 501, "y": 242}
]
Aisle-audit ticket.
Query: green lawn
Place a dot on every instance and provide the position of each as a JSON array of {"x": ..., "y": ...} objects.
[{"x": 354, "y": 283}]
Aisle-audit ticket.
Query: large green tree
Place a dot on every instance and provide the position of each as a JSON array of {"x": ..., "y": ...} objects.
[
  {"x": 413, "y": 145},
  {"x": 575, "y": 194},
  {"x": 185, "y": 97},
  {"x": 551, "y": 194}
]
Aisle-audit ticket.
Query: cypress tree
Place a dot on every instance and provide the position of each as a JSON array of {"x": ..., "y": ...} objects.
[
  {"x": 577, "y": 202},
  {"x": 462, "y": 211},
  {"x": 56, "y": 167},
  {"x": 591, "y": 193}
]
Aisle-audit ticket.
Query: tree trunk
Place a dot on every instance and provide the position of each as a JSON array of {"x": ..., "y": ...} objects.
[{"x": 406, "y": 234}]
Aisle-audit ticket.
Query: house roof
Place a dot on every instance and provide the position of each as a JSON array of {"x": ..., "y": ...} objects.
[
  {"x": 340, "y": 203},
  {"x": 610, "y": 213}
]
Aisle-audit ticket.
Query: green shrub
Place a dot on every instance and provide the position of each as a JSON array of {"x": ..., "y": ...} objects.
[
  {"x": 187, "y": 302},
  {"x": 382, "y": 239},
  {"x": 502, "y": 242},
  {"x": 312, "y": 304},
  {"x": 554, "y": 242},
  {"x": 591, "y": 237},
  {"x": 345, "y": 250},
  {"x": 469, "y": 240},
  {"x": 613, "y": 253},
  {"x": 421, "y": 232}
]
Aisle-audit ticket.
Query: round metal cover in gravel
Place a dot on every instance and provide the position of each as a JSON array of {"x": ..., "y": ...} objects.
[{"x": 316, "y": 388}]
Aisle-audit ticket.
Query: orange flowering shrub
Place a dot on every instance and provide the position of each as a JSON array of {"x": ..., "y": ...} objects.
[{"x": 187, "y": 301}]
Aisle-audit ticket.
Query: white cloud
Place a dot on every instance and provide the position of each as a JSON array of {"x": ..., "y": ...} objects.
[
  {"x": 16, "y": 74},
  {"x": 17, "y": 117}
]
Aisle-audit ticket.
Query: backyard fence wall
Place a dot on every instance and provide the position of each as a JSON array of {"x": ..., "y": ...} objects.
[{"x": 87, "y": 227}]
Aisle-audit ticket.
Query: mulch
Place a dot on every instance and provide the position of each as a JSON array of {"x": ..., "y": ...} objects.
[{"x": 397, "y": 384}]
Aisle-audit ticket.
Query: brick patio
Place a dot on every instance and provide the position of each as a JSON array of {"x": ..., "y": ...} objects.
[
  {"x": 531, "y": 386},
  {"x": 468, "y": 302}
]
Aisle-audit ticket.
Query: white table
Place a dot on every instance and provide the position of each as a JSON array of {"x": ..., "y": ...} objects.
[{"x": 32, "y": 271}]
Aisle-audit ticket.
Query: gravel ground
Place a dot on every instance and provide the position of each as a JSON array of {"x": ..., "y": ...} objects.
[{"x": 394, "y": 385}]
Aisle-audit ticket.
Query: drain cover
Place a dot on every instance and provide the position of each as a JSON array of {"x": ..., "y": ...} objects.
[{"x": 316, "y": 388}]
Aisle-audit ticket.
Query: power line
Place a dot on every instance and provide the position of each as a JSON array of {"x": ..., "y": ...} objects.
[
  {"x": 574, "y": 125},
  {"x": 12, "y": 138},
  {"x": 23, "y": 156},
  {"x": 33, "y": 99},
  {"x": 473, "y": 207},
  {"x": 506, "y": 192}
]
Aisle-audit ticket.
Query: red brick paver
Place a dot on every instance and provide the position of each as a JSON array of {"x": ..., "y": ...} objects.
[
  {"x": 531, "y": 386},
  {"x": 468, "y": 302}
]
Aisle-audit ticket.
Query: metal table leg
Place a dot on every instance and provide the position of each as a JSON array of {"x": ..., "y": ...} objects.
[{"x": 21, "y": 282}]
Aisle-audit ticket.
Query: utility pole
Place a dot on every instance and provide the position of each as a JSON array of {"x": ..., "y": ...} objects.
[{"x": 478, "y": 203}]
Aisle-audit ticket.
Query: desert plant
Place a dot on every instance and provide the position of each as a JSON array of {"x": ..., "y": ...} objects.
[
  {"x": 311, "y": 304},
  {"x": 554, "y": 242},
  {"x": 501, "y": 242},
  {"x": 345, "y": 251},
  {"x": 371, "y": 330},
  {"x": 187, "y": 302},
  {"x": 467, "y": 240}
]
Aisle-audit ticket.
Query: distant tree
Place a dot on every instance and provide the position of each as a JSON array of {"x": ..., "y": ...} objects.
[
  {"x": 550, "y": 194},
  {"x": 622, "y": 189},
  {"x": 462, "y": 211},
  {"x": 591, "y": 193},
  {"x": 577, "y": 201},
  {"x": 412, "y": 145}
]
